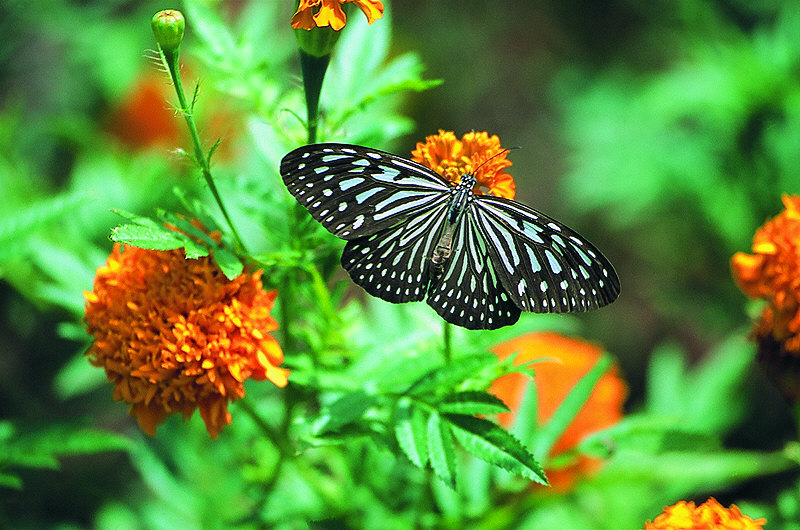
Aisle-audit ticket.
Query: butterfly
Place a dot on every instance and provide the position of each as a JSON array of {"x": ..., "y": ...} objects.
[{"x": 478, "y": 260}]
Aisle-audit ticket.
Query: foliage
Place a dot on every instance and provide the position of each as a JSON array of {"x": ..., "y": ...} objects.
[{"x": 387, "y": 421}]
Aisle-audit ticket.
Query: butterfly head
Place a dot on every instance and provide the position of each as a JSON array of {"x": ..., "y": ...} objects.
[{"x": 467, "y": 182}]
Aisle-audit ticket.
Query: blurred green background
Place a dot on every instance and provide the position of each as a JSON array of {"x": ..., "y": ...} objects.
[{"x": 664, "y": 131}]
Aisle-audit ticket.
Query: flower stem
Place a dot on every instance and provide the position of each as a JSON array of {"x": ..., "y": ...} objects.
[
  {"x": 448, "y": 354},
  {"x": 281, "y": 443},
  {"x": 170, "y": 60},
  {"x": 314, "y": 69}
]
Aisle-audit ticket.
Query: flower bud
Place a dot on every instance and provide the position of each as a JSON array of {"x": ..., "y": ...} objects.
[
  {"x": 317, "y": 42},
  {"x": 168, "y": 26}
]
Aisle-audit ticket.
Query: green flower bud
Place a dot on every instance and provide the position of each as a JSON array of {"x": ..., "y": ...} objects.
[
  {"x": 317, "y": 42},
  {"x": 168, "y": 26}
]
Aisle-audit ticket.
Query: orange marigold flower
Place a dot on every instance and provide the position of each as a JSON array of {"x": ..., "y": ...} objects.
[
  {"x": 772, "y": 273},
  {"x": 567, "y": 360},
  {"x": 175, "y": 335},
  {"x": 710, "y": 515},
  {"x": 143, "y": 118},
  {"x": 451, "y": 158},
  {"x": 321, "y": 13}
]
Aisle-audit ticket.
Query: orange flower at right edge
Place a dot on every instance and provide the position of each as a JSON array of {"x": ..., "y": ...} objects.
[
  {"x": 710, "y": 515},
  {"x": 322, "y": 13},
  {"x": 772, "y": 273},
  {"x": 476, "y": 154},
  {"x": 566, "y": 361}
]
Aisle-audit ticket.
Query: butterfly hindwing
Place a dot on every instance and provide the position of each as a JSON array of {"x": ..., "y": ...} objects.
[
  {"x": 355, "y": 191},
  {"x": 544, "y": 266},
  {"x": 393, "y": 264},
  {"x": 468, "y": 292}
]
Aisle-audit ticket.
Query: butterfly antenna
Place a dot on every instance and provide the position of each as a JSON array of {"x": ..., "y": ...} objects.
[{"x": 499, "y": 153}]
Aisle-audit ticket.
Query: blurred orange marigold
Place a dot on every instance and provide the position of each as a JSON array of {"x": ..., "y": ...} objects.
[
  {"x": 321, "y": 13},
  {"x": 710, "y": 515},
  {"x": 451, "y": 158},
  {"x": 175, "y": 335},
  {"x": 566, "y": 361},
  {"x": 772, "y": 273}
]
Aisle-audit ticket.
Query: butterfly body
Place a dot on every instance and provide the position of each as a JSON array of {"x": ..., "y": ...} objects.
[{"x": 478, "y": 260}]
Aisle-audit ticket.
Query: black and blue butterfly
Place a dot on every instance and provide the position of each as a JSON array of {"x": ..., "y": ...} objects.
[{"x": 478, "y": 260}]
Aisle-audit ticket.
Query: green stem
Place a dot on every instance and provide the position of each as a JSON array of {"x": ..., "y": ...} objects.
[
  {"x": 314, "y": 69},
  {"x": 279, "y": 441},
  {"x": 448, "y": 354},
  {"x": 170, "y": 59}
]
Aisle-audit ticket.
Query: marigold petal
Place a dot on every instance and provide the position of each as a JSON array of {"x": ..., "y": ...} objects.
[
  {"x": 710, "y": 515},
  {"x": 278, "y": 376},
  {"x": 175, "y": 333},
  {"x": 372, "y": 9},
  {"x": 149, "y": 417},
  {"x": 303, "y": 19},
  {"x": 330, "y": 14},
  {"x": 476, "y": 154}
]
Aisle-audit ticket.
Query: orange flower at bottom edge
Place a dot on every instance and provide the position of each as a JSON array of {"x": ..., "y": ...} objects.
[
  {"x": 330, "y": 13},
  {"x": 772, "y": 273},
  {"x": 175, "y": 335},
  {"x": 567, "y": 361},
  {"x": 476, "y": 154},
  {"x": 710, "y": 515}
]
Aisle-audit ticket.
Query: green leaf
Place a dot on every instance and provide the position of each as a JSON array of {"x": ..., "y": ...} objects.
[
  {"x": 8, "y": 480},
  {"x": 441, "y": 451},
  {"x": 569, "y": 408},
  {"x": 448, "y": 376},
  {"x": 472, "y": 402},
  {"x": 490, "y": 442},
  {"x": 526, "y": 425},
  {"x": 411, "y": 431},
  {"x": 78, "y": 377},
  {"x": 42, "y": 448},
  {"x": 30, "y": 218},
  {"x": 228, "y": 262},
  {"x": 148, "y": 237},
  {"x": 348, "y": 408}
]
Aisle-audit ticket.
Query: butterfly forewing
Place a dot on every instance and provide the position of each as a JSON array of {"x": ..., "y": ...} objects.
[
  {"x": 468, "y": 292},
  {"x": 543, "y": 265},
  {"x": 354, "y": 191}
]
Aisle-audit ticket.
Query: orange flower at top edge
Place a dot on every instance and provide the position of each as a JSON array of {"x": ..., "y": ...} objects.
[
  {"x": 567, "y": 361},
  {"x": 476, "y": 154},
  {"x": 710, "y": 515},
  {"x": 174, "y": 335},
  {"x": 772, "y": 273},
  {"x": 321, "y": 13}
]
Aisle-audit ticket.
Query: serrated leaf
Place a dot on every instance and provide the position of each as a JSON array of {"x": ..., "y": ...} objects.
[
  {"x": 29, "y": 218},
  {"x": 495, "y": 445},
  {"x": 147, "y": 237},
  {"x": 451, "y": 374},
  {"x": 344, "y": 410},
  {"x": 472, "y": 402},
  {"x": 441, "y": 451},
  {"x": 411, "y": 431},
  {"x": 138, "y": 219},
  {"x": 228, "y": 262},
  {"x": 569, "y": 407}
]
